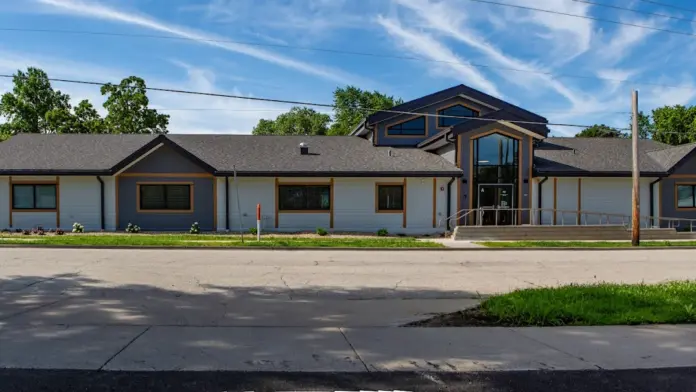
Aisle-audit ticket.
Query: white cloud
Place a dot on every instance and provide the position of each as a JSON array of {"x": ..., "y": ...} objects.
[
  {"x": 425, "y": 45},
  {"x": 99, "y": 11}
]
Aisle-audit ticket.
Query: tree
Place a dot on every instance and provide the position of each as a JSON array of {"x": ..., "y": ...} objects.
[
  {"x": 674, "y": 125},
  {"x": 646, "y": 128},
  {"x": 600, "y": 130},
  {"x": 348, "y": 102},
  {"x": 84, "y": 119},
  {"x": 128, "y": 111},
  {"x": 31, "y": 99},
  {"x": 298, "y": 121}
]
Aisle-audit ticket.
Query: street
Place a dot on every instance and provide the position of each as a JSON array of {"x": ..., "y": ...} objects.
[{"x": 305, "y": 313}]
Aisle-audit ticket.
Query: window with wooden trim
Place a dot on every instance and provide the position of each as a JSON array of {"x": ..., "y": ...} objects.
[
  {"x": 686, "y": 196},
  {"x": 165, "y": 197},
  {"x": 413, "y": 127},
  {"x": 454, "y": 111},
  {"x": 390, "y": 197},
  {"x": 34, "y": 196},
  {"x": 304, "y": 198}
]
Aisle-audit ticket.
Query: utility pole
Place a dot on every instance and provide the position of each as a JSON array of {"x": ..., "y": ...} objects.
[{"x": 635, "y": 219}]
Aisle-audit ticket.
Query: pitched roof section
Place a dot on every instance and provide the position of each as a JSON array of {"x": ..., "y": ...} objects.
[
  {"x": 453, "y": 92},
  {"x": 603, "y": 156},
  {"x": 79, "y": 153},
  {"x": 328, "y": 156},
  {"x": 672, "y": 156}
]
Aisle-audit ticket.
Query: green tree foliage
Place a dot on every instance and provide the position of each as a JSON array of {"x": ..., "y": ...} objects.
[
  {"x": 128, "y": 111},
  {"x": 646, "y": 128},
  {"x": 674, "y": 125},
  {"x": 600, "y": 130},
  {"x": 298, "y": 121},
  {"x": 32, "y": 98},
  {"x": 83, "y": 119},
  {"x": 350, "y": 100}
]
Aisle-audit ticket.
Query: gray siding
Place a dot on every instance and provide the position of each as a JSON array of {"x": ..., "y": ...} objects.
[
  {"x": 165, "y": 160},
  {"x": 203, "y": 201},
  {"x": 668, "y": 190},
  {"x": 525, "y": 166},
  {"x": 432, "y": 129}
]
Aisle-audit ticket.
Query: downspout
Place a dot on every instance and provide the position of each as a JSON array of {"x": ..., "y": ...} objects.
[
  {"x": 101, "y": 195},
  {"x": 227, "y": 203},
  {"x": 449, "y": 201},
  {"x": 539, "y": 203},
  {"x": 652, "y": 204}
]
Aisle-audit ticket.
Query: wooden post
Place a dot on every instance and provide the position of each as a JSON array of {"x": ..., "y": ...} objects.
[{"x": 635, "y": 219}]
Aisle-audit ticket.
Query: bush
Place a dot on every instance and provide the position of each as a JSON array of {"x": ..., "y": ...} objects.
[
  {"x": 401, "y": 234},
  {"x": 253, "y": 231},
  {"x": 5, "y": 230},
  {"x": 382, "y": 232},
  {"x": 19, "y": 230},
  {"x": 195, "y": 228},
  {"x": 133, "y": 229},
  {"x": 26, "y": 232},
  {"x": 59, "y": 232},
  {"x": 78, "y": 228},
  {"x": 322, "y": 231}
]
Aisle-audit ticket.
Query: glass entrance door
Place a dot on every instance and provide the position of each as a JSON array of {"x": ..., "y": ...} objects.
[{"x": 495, "y": 203}]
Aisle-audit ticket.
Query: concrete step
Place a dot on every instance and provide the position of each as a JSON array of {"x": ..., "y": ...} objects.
[{"x": 569, "y": 233}]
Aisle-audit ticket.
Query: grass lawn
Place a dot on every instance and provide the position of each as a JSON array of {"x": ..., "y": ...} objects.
[
  {"x": 601, "y": 304},
  {"x": 192, "y": 240},
  {"x": 580, "y": 244}
]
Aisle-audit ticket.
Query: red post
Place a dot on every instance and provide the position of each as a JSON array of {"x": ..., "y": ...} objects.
[{"x": 258, "y": 222}]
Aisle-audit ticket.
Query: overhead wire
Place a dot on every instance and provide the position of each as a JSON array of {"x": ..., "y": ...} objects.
[
  {"x": 668, "y": 5},
  {"x": 616, "y": 7}
]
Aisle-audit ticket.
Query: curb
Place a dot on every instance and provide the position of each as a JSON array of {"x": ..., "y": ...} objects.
[{"x": 257, "y": 248}]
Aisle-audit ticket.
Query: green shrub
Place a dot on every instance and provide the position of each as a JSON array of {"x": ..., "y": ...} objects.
[
  {"x": 195, "y": 228},
  {"x": 322, "y": 231},
  {"x": 78, "y": 228},
  {"x": 59, "y": 232},
  {"x": 133, "y": 229},
  {"x": 253, "y": 231},
  {"x": 382, "y": 232}
]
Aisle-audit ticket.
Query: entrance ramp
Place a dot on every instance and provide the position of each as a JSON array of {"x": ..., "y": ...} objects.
[{"x": 563, "y": 233}]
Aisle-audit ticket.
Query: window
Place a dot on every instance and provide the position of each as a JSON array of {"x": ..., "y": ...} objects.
[
  {"x": 456, "y": 110},
  {"x": 165, "y": 197},
  {"x": 304, "y": 197},
  {"x": 390, "y": 197},
  {"x": 413, "y": 127},
  {"x": 34, "y": 196},
  {"x": 686, "y": 196}
]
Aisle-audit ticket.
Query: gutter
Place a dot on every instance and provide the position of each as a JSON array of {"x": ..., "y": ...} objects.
[
  {"x": 101, "y": 204},
  {"x": 227, "y": 203},
  {"x": 449, "y": 201},
  {"x": 539, "y": 205},
  {"x": 652, "y": 205}
]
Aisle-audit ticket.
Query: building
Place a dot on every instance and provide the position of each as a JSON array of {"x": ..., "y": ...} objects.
[{"x": 405, "y": 172}]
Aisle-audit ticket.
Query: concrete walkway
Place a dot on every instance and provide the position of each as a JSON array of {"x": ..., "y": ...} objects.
[{"x": 344, "y": 349}]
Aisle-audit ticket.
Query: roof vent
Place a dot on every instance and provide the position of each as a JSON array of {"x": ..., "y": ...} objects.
[{"x": 304, "y": 148}]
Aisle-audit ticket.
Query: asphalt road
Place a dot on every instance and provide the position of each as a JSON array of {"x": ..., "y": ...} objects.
[{"x": 676, "y": 380}]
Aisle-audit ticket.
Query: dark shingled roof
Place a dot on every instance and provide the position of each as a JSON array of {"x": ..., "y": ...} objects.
[
  {"x": 578, "y": 155},
  {"x": 332, "y": 155},
  {"x": 67, "y": 152},
  {"x": 252, "y": 155},
  {"x": 671, "y": 156}
]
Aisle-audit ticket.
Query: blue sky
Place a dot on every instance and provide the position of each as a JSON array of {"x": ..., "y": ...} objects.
[{"x": 446, "y": 34}]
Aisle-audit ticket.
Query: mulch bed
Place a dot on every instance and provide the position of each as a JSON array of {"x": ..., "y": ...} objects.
[{"x": 472, "y": 317}]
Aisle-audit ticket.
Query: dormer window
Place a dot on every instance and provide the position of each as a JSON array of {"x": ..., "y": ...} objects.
[
  {"x": 412, "y": 127},
  {"x": 455, "y": 111}
]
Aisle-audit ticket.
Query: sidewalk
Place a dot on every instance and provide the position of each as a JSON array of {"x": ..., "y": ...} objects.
[{"x": 330, "y": 349}]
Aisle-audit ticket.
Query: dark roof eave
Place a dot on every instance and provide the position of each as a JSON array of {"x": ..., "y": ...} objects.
[
  {"x": 552, "y": 173},
  {"x": 343, "y": 174}
]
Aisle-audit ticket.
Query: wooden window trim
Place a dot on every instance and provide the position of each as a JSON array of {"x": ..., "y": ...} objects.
[
  {"x": 425, "y": 131},
  {"x": 460, "y": 103},
  {"x": 141, "y": 211},
  {"x": 323, "y": 183},
  {"x": 403, "y": 204},
  {"x": 676, "y": 196},
  {"x": 29, "y": 182}
]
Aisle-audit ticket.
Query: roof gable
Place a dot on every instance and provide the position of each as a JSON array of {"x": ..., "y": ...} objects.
[{"x": 460, "y": 90}]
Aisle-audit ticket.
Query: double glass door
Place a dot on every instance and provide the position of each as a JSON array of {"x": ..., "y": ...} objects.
[{"x": 496, "y": 203}]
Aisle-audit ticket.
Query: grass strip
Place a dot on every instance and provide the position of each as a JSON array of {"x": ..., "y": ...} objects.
[{"x": 581, "y": 244}]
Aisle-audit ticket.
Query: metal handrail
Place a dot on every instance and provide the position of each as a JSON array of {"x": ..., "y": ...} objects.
[{"x": 580, "y": 218}]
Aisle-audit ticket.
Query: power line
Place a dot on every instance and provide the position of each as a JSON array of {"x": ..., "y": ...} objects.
[
  {"x": 587, "y": 17},
  {"x": 354, "y": 53},
  {"x": 304, "y": 103},
  {"x": 634, "y": 10},
  {"x": 668, "y": 5}
]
